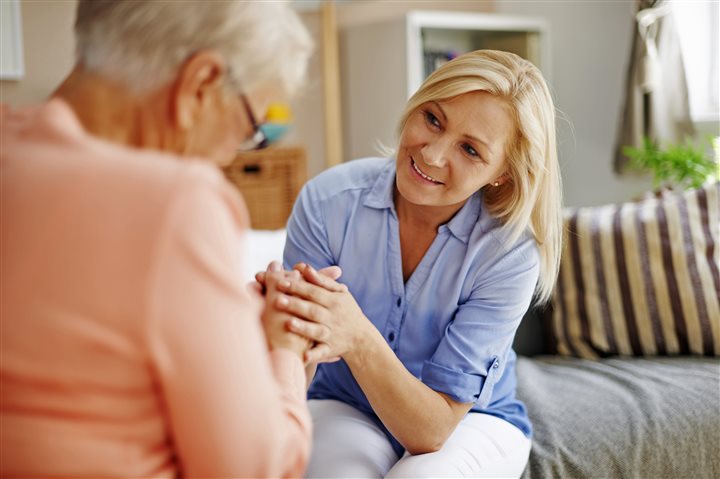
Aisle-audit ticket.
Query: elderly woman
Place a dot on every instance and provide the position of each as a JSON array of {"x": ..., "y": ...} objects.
[
  {"x": 442, "y": 249},
  {"x": 130, "y": 346}
]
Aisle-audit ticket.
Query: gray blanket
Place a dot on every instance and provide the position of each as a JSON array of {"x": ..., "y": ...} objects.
[{"x": 624, "y": 418}]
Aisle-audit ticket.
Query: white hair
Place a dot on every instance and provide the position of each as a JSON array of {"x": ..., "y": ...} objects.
[{"x": 141, "y": 44}]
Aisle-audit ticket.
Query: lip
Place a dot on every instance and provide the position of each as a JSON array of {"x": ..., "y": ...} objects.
[{"x": 418, "y": 176}]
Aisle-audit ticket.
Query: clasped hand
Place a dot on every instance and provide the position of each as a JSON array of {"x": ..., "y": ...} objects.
[{"x": 319, "y": 309}]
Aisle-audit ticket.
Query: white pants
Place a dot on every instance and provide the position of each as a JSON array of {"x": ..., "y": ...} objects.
[{"x": 348, "y": 444}]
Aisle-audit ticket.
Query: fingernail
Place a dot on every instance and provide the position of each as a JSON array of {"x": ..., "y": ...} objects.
[
  {"x": 283, "y": 300},
  {"x": 294, "y": 323},
  {"x": 283, "y": 283}
]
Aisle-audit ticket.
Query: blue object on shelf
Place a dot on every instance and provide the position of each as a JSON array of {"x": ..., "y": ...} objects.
[{"x": 273, "y": 131}]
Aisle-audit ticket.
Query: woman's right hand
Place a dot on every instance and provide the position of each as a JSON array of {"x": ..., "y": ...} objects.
[
  {"x": 325, "y": 312},
  {"x": 276, "y": 322}
]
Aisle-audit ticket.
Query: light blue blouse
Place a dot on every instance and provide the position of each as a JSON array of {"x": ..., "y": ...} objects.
[{"x": 453, "y": 323}]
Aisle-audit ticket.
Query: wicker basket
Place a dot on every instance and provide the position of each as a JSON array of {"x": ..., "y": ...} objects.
[{"x": 269, "y": 181}]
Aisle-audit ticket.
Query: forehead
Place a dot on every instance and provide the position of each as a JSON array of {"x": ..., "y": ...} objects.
[
  {"x": 478, "y": 105},
  {"x": 478, "y": 112}
]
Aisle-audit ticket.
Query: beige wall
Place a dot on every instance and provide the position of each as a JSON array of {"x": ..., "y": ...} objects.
[
  {"x": 308, "y": 109},
  {"x": 48, "y": 50},
  {"x": 308, "y": 106},
  {"x": 588, "y": 71},
  {"x": 365, "y": 11}
]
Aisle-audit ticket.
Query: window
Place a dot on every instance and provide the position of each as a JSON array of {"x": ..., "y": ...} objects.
[{"x": 697, "y": 25}]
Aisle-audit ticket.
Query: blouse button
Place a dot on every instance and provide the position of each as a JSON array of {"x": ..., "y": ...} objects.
[
  {"x": 399, "y": 302},
  {"x": 391, "y": 336}
]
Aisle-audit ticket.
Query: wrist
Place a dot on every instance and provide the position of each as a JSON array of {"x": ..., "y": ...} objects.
[
  {"x": 364, "y": 346},
  {"x": 292, "y": 343}
]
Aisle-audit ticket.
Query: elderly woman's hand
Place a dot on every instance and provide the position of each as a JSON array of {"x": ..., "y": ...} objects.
[
  {"x": 274, "y": 321},
  {"x": 324, "y": 311}
]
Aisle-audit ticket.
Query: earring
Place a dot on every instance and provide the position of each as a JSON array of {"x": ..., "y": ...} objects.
[{"x": 496, "y": 183}]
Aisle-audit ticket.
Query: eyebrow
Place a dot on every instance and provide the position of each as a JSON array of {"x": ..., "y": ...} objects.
[
  {"x": 474, "y": 138},
  {"x": 440, "y": 108}
]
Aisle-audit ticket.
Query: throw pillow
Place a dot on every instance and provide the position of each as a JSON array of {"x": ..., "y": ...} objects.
[{"x": 641, "y": 279}]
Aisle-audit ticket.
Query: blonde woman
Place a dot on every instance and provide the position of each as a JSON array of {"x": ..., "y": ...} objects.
[
  {"x": 130, "y": 345},
  {"x": 442, "y": 249}
]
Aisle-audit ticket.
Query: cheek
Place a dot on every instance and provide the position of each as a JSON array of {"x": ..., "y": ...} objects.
[
  {"x": 222, "y": 139},
  {"x": 470, "y": 177},
  {"x": 228, "y": 131},
  {"x": 413, "y": 134}
]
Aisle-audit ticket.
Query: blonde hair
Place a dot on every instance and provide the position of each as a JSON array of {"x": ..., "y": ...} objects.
[
  {"x": 141, "y": 44},
  {"x": 531, "y": 199}
]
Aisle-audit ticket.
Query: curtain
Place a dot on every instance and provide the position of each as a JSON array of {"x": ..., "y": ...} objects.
[{"x": 656, "y": 96}]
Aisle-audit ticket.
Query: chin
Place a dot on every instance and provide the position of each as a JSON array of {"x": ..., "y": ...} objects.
[{"x": 410, "y": 194}]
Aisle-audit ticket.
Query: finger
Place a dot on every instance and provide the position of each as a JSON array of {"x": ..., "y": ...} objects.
[
  {"x": 261, "y": 275},
  {"x": 332, "y": 272},
  {"x": 320, "y": 354},
  {"x": 307, "y": 329},
  {"x": 271, "y": 282},
  {"x": 300, "y": 308},
  {"x": 274, "y": 266},
  {"x": 303, "y": 289},
  {"x": 311, "y": 275}
]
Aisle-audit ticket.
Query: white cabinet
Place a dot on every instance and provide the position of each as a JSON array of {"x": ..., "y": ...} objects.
[{"x": 382, "y": 64}]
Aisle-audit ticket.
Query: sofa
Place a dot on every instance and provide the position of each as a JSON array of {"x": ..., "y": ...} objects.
[
  {"x": 617, "y": 417},
  {"x": 620, "y": 372}
]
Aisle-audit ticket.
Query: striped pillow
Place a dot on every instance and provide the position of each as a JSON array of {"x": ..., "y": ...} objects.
[{"x": 641, "y": 278}]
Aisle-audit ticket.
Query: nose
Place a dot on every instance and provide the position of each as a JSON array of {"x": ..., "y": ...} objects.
[{"x": 436, "y": 153}]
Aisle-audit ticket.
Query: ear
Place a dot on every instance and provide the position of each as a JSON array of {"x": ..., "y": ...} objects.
[
  {"x": 198, "y": 82},
  {"x": 500, "y": 180}
]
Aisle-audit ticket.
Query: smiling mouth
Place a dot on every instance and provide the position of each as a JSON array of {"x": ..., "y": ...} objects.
[{"x": 423, "y": 175}]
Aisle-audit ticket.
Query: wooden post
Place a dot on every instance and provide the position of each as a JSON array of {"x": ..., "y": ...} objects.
[{"x": 331, "y": 82}]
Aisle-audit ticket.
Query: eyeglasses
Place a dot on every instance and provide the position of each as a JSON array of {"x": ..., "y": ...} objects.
[{"x": 258, "y": 140}]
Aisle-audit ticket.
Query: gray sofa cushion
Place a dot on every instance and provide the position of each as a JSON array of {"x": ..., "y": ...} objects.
[{"x": 639, "y": 418}]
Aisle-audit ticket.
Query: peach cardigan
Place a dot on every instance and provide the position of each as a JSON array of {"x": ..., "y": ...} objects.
[{"x": 129, "y": 344}]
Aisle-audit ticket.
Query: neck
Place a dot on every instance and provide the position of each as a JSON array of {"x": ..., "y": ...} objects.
[
  {"x": 422, "y": 216},
  {"x": 110, "y": 111}
]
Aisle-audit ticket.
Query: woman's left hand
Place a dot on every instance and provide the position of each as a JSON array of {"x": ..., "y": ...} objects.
[{"x": 329, "y": 315}]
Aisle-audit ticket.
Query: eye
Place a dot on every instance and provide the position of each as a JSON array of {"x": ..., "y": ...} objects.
[
  {"x": 470, "y": 150},
  {"x": 432, "y": 119}
]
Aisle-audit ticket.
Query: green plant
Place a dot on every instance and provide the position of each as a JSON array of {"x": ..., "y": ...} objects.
[{"x": 684, "y": 166}]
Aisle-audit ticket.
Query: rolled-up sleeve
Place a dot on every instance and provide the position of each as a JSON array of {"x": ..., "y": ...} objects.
[{"x": 471, "y": 356}]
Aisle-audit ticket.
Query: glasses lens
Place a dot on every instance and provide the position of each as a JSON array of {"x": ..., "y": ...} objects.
[
  {"x": 268, "y": 132},
  {"x": 256, "y": 142}
]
